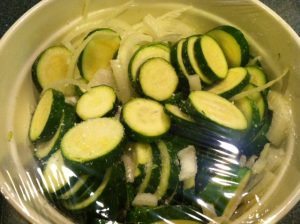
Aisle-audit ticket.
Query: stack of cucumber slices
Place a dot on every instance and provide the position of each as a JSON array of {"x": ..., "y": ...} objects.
[{"x": 168, "y": 151}]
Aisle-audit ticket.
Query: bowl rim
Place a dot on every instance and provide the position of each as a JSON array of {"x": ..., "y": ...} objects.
[{"x": 34, "y": 216}]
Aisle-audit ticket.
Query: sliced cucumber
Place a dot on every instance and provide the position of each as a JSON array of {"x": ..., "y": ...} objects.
[
  {"x": 163, "y": 178},
  {"x": 256, "y": 143},
  {"x": 156, "y": 169},
  {"x": 57, "y": 177},
  {"x": 206, "y": 105},
  {"x": 210, "y": 58},
  {"x": 96, "y": 102},
  {"x": 145, "y": 119},
  {"x": 51, "y": 66},
  {"x": 177, "y": 62},
  {"x": 176, "y": 113},
  {"x": 177, "y": 59},
  {"x": 142, "y": 156},
  {"x": 236, "y": 80},
  {"x": 176, "y": 213},
  {"x": 177, "y": 98},
  {"x": 46, "y": 149},
  {"x": 251, "y": 112},
  {"x": 93, "y": 145},
  {"x": 90, "y": 199},
  {"x": 144, "y": 53},
  {"x": 47, "y": 116},
  {"x": 233, "y": 43},
  {"x": 189, "y": 59},
  {"x": 99, "y": 51},
  {"x": 157, "y": 79},
  {"x": 145, "y": 154},
  {"x": 225, "y": 191},
  {"x": 257, "y": 75},
  {"x": 165, "y": 173},
  {"x": 142, "y": 152},
  {"x": 107, "y": 199},
  {"x": 89, "y": 186},
  {"x": 259, "y": 100},
  {"x": 75, "y": 188}
]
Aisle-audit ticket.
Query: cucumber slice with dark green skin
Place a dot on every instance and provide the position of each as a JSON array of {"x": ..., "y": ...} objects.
[
  {"x": 177, "y": 99},
  {"x": 98, "y": 52},
  {"x": 178, "y": 213},
  {"x": 260, "y": 100},
  {"x": 142, "y": 152},
  {"x": 257, "y": 75},
  {"x": 177, "y": 114},
  {"x": 177, "y": 62},
  {"x": 47, "y": 116},
  {"x": 210, "y": 58},
  {"x": 93, "y": 145},
  {"x": 189, "y": 59},
  {"x": 44, "y": 150},
  {"x": 108, "y": 199},
  {"x": 143, "y": 54},
  {"x": 51, "y": 66},
  {"x": 145, "y": 120},
  {"x": 149, "y": 166},
  {"x": 87, "y": 188},
  {"x": 56, "y": 176},
  {"x": 225, "y": 191},
  {"x": 155, "y": 171},
  {"x": 236, "y": 80},
  {"x": 157, "y": 79},
  {"x": 256, "y": 143},
  {"x": 251, "y": 112},
  {"x": 233, "y": 43},
  {"x": 174, "y": 147},
  {"x": 205, "y": 105},
  {"x": 142, "y": 157},
  {"x": 203, "y": 132},
  {"x": 97, "y": 102},
  {"x": 77, "y": 187},
  {"x": 85, "y": 202},
  {"x": 165, "y": 171}
]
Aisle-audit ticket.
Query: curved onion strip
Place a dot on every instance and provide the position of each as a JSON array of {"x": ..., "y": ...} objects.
[
  {"x": 260, "y": 88},
  {"x": 281, "y": 120}
]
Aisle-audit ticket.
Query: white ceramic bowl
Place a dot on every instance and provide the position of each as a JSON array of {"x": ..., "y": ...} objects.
[{"x": 268, "y": 34}]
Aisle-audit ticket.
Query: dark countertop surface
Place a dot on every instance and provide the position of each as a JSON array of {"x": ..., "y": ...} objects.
[{"x": 11, "y": 10}]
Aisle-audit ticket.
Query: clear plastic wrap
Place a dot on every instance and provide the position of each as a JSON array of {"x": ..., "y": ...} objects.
[{"x": 199, "y": 168}]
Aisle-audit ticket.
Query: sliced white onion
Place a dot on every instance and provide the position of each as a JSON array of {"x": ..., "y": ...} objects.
[
  {"x": 188, "y": 163},
  {"x": 250, "y": 162},
  {"x": 281, "y": 121},
  {"x": 261, "y": 163},
  {"x": 130, "y": 166},
  {"x": 175, "y": 13},
  {"x": 259, "y": 88},
  {"x": 103, "y": 77},
  {"x": 274, "y": 159},
  {"x": 243, "y": 161},
  {"x": 145, "y": 199},
  {"x": 129, "y": 44},
  {"x": 161, "y": 28},
  {"x": 71, "y": 100},
  {"x": 124, "y": 89},
  {"x": 253, "y": 61}
]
